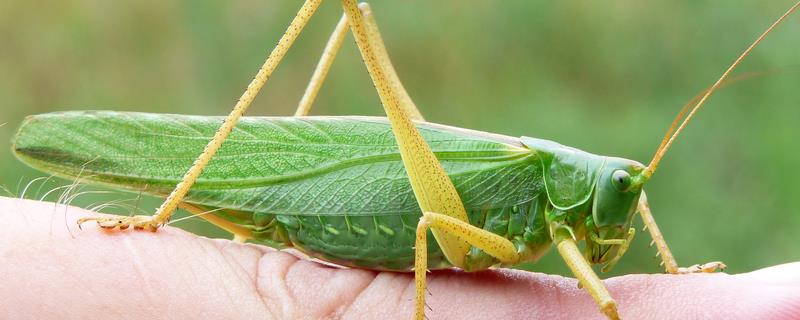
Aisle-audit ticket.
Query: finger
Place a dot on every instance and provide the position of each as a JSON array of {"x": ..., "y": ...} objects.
[
  {"x": 172, "y": 273},
  {"x": 746, "y": 296},
  {"x": 79, "y": 273},
  {"x": 93, "y": 273},
  {"x": 50, "y": 270},
  {"x": 771, "y": 293}
]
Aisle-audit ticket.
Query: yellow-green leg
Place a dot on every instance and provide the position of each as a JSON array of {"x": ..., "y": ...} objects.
[
  {"x": 432, "y": 187},
  {"x": 443, "y": 210},
  {"x": 323, "y": 66},
  {"x": 565, "y": 243},
  {"x": 375, "y": 37},
  {"x": 329, "y": 55},
  {"x": 240, "y": 234},
  {"x": 494, "y": 245},
  {"x": 166, "y": 210},
  {"x": 667, "y": 259}
]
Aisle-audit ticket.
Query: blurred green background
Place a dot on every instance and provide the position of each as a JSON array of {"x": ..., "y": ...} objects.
[{"x": 604, "y": 77}]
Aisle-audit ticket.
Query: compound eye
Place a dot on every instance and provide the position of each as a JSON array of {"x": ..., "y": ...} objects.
[{"x": 621, "y": 180}]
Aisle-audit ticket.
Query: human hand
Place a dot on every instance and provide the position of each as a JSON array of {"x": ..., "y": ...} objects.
[{"x": 48, "y": 271}]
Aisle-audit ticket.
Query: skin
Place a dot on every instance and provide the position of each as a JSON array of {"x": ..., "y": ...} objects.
[{"x": 48, "y": 270}]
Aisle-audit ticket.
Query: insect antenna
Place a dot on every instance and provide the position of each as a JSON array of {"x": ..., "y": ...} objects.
[
  {"x": 700, "y": 94},
  {"x": 669, "y": 138}
]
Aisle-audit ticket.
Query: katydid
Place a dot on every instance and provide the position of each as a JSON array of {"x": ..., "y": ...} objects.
[{"x": 364, "y": 191}]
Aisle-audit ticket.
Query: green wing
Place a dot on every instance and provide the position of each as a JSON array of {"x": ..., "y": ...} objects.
[{"x": 282, "y": 165}]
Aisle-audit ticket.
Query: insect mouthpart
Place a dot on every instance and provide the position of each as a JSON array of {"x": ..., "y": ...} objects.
[{"x": 607, "y": 244}]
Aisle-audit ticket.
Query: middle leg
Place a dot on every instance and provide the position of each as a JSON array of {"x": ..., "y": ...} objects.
[{"x": 323, "y": 66}]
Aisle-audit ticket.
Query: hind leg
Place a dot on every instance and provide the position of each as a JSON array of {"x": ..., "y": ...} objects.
[{"x": 165, "y": 211}]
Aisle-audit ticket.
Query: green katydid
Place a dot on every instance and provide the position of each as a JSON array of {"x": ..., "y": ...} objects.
[{"x": 361, "y": 191}]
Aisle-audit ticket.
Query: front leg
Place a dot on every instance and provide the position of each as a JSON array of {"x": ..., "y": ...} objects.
[{"x": 667, "y": 259}]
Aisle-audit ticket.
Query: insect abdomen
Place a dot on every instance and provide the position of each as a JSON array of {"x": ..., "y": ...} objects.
[
  {"x": 387, "y": 242},
  {"x": 370, "y": 242}
]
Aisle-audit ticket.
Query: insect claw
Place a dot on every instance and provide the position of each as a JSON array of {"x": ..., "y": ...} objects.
[
  {"x": 704, "y": 268},
  {"x": 81, "y": 221}
]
